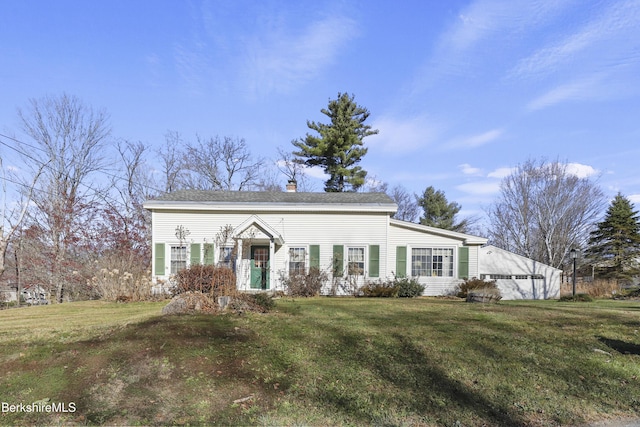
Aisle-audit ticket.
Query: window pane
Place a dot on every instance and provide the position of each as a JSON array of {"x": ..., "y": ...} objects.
[
  {"x": 355, "y": 259},
  {"x": 442, "y": 262},
  {"x": 420, "y": 262},
  {"x": 225, "y": 257},
  {"x": 297, "y": 261},
  {"x": 178, "y": 258},
  {"x": 434, "y": 262}
]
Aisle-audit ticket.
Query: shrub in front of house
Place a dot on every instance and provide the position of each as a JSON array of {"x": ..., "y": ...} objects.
[
  {"x": 305, "y": 285},
  {"x": 261, "y": 302},
  {"x": 399, "y": 287},
  {"x": 408, "y": 287},
  {"x": 475, "y": 284},
  {"x": 381, "y": 289},
  {"x": 208, "y": 279}
]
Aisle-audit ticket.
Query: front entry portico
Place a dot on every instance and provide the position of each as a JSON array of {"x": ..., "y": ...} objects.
[{"x": 257, "y": 244}]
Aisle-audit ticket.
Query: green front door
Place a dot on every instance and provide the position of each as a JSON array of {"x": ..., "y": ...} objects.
[{"x": 259, "y": 267}]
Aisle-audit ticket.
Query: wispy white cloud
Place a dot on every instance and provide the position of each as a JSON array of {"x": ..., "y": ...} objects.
[
  {"x": 474, "y": 34},
  {"x": 467, "y": 169},
  {"x": 283, "y": 60},
  {"x": 485, "y": 18},
  {"x": 599, "y": 52},
  {"x": 270, "y": 52},
  {"x": 583, "y": 89},
  {"x": 477, "y": 140},
  {"x": 403, "y": 135},
  {"x": 618, "y": 21},
  {"x": 193, "y": 66},
  {"x": 486, "y": 186},
  {"x": 501, "y": 173}
]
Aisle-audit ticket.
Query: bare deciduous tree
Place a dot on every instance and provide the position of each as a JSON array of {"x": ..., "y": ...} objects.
[
  {"x": 220, "y": 164},
  {"x": 71, "y": 137},
  {"x": 126, "y": 221},
  {"x": 543, "y": 211},
  {"x": 171, "y": 157},
  {"x": 293, "y": 168},
  {"x": 12, "y": 217},
  {"x": 407, "y": 205}
]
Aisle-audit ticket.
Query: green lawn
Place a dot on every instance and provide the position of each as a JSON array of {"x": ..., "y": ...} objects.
[{"x": 323, "y": 361}]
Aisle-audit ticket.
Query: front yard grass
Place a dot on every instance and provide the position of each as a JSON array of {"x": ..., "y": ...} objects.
[{"x": 325, "y": 361}]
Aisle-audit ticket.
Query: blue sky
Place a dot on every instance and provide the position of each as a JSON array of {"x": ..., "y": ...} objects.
[{"x": 461, "y": 91}]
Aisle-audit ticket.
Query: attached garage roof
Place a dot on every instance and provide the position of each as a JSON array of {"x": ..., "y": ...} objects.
[{"x": 467, "y": 239}]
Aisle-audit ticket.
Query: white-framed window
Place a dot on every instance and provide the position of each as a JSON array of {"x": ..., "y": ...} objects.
[
  {"x": 442, "y": 262},
  {"x": 178, "y": 258},
  {"x": 355, "y": 261},
  {"x": 226, "y": 257},
  {"x": 420, "y": 262},
  {"x": 432, "y": 262},
  {"x": 297, "y": 260}
]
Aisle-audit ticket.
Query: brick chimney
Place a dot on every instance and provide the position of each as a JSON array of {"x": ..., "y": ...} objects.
[{"x": 292, "y": 186}]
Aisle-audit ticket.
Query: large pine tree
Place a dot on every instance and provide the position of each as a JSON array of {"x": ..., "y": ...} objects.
[
  {"x": 339, "y": 147},
  {"x": 439, "y": 212},
  {"x": 615, "y": 243}
]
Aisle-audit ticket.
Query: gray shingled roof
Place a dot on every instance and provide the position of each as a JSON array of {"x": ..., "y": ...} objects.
[{"x": 273, "y": 197}]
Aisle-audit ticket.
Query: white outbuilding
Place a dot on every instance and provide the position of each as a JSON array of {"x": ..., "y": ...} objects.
[{"x": 519, "y": 277}]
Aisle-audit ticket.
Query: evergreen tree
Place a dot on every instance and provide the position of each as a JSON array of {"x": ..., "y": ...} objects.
[
  {"x": 339, "y": 146},
  {"x": 615, "y": 243},
  {"x": 438, "y": 212}
]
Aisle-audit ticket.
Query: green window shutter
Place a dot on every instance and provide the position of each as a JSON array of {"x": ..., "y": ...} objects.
[
  {"x": 374, "y": 260},
  {"x": 463, "y": 262},
  {"x": 401, "y": 261},
  {"x": 195, "y": 254},
  {"x": 338, "y": 260},
  {"x": 209, "y": 254},
  {"x": 160, "y": 256},
  {"x": 314, "y": 256}
]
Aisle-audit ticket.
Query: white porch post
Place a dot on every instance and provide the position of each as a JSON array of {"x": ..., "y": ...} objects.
[
  {"x": 272, "y": 252},
  {"x": 239, "y": 266}
]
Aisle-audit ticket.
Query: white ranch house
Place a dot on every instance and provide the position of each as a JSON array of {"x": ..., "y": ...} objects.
[{"x": 265, "y": 236}]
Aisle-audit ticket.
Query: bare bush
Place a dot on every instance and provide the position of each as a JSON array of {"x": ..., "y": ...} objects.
[
  {"x": 116, "y": 285},
  {"x": 207, "y": 279},
  {"x": 305, "y": 285},
  {"x": 595, "y": 289},
  {"x": 384, "y": 289},
  {"x": 474, "y": 284}
]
